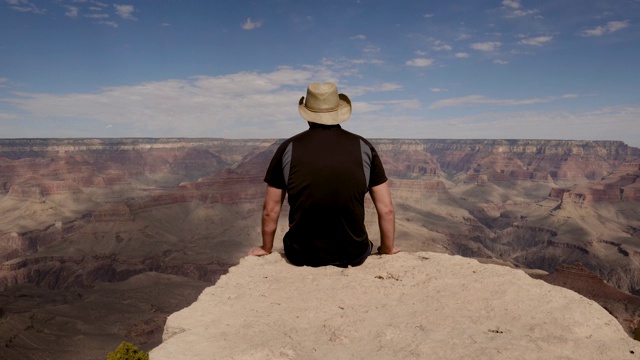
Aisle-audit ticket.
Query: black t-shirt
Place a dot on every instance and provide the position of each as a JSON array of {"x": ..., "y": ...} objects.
[{"x": 326, "y": 172}]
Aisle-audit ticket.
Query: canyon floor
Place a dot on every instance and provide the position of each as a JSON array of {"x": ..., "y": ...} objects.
[{"x": 102, "y": 239}]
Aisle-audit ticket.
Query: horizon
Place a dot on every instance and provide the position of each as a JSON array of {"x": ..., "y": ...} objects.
[{"x": 505, "y": 69}]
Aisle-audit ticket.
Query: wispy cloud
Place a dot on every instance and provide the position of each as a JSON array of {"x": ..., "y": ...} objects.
[
  {"x": 398, "y": 104},
  {"x": 500, "y": 62},
  {"x": 610, "y": 27},
  {"x": 245, "y": 104},
  {"x": 420, "y": 62},
  {"x": 536, "y": 41},
  {"x": 611, "y": 123},
  {"x": 483, "y": 100},
  {"x": 358, "y": 37},
  {"x": 125, "y": 11},
  {"x": 24, "y": 6},
  {"x": 442, "y": 47},
  {"x": 362, "y": 90},
  {"x": 371, "y": 49},
  {"x": 486, "y": 46},
  {"x": 97, "y": 16},
  {"x": 112, "y": 24},
  {"x": 462, "y": 55},
  {"x": 250, "y": 25},
  {"x": 72, "y": 11},
  {"x": 514, "y": 9},
  {"x": 366, "y": 61}
]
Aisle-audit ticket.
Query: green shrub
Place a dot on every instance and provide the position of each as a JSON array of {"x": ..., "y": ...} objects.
[{"x": 126, "y": 351}]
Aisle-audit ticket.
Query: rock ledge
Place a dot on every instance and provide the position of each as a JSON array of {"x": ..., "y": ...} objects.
[{"x": 405, "y": 306}]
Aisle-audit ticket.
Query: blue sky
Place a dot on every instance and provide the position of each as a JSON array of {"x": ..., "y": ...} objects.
[{"x": 546, "y": 69}]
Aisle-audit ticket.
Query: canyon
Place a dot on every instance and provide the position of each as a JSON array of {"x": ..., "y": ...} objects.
[{"x": 102, "y": 239}]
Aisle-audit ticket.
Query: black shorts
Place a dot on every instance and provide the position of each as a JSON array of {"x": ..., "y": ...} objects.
[{"x": 297, "y": 258}]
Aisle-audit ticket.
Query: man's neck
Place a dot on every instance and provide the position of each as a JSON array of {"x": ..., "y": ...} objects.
[{"x": 313, "y": 125}]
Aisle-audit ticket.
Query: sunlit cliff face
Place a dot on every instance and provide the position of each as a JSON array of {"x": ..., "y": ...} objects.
[{"x": 79, "y": 213}]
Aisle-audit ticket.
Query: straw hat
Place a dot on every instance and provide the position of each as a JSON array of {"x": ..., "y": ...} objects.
[{"x": 324, "y": 105}]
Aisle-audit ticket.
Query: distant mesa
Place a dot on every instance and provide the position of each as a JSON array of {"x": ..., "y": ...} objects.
[{"x": 83, "y": 220}]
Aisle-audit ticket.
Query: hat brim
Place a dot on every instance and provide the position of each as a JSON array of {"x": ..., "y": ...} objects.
[{"x": 327, "y": 118}]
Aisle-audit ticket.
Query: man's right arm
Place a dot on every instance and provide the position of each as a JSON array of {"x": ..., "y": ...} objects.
[
  {"x": 381, "y": 197},
  {"x": 270, "y": 213}
]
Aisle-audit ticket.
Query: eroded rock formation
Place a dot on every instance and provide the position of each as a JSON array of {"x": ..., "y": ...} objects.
[{"x": 77, "y": 213}]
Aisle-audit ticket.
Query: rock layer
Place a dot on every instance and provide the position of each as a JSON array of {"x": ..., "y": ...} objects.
[
  {"x": 406, "y": 306},
  {"x": 78, "y": 213}
]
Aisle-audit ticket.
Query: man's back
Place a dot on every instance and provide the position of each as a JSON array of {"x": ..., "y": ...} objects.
[{"x": 326, "y": 172}]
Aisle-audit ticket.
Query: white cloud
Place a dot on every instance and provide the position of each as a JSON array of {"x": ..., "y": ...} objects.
[
  {"x": 611, "y": 26},
  {"x": 486, "y": 46},
  {"x": 536, "y": 41},
  {"x": 428, "y": 16},
  {"x": 515, "y": 9},
  {"x": 443, "y": 47},
  {"x": 358, "y": 37},
  {"x": 420, "y": 62},
  {"x": 113, "y": 24},
  {"x": 483, "y": 100},
  {"x": 72, "y": 11},
  {"x": 264, "y": 105},
  {"x": 616, "y": 123},
  {"x": 250, "y": 25},
  {"x": 97, "y": 16},
  {"x": 245, "y": 104},
  {"x": 462, "y": 55},
  {"x": 366, "y": 61},
  {"x": 25, "y": 6},
  {"x": 398, "y": 104},
  {"x": 125, "y": 11},
  {"x": 500, "y": 62},
  {"x": 514, "y": 4},
  {"x": 6, "y": 116},
  {"x": 359, "y": 61},
  {"x": 520, "y": 13},
  {"x": 361, "y": 90}
]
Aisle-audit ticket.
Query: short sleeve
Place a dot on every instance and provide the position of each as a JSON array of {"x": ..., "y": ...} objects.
[
  {"x": 275, "y": 173},
  {"x": 377, "y": 175}
]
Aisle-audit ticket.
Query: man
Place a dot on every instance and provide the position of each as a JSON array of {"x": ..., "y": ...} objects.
[{"x": 326, "y": 172}]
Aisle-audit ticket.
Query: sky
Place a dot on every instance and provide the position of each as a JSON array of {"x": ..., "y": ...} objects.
[{"x": 458, "y": 69}]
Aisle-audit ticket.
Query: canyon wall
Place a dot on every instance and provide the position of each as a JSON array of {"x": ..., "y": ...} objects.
[{"x": 80, "y": 213}]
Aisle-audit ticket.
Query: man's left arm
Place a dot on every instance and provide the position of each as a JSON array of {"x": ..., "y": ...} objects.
[{"x": 270, "y": 214}]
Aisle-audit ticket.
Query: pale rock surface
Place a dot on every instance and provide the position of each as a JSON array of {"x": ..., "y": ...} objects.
[{"x": 405, "y": 306}]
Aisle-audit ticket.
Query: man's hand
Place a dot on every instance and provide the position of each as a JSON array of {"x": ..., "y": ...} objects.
[
  {"x": 384, "y": 250},
  {"x": 258, "y": 251}
]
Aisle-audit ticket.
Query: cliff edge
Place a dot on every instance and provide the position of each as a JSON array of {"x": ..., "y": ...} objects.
[{"x": 406, "y": 306}]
